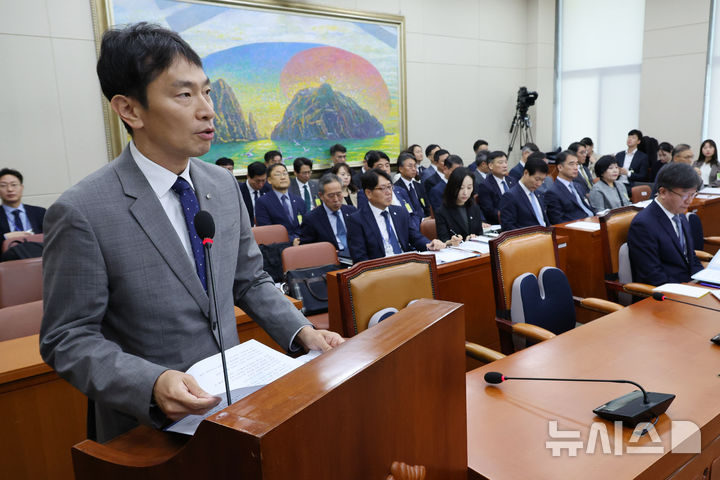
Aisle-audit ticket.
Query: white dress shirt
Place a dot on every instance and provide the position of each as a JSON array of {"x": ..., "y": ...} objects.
[{"x": 383, "y": 229}]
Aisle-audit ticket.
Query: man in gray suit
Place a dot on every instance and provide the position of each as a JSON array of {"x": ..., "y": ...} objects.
[{"x": 126, "y": 309}]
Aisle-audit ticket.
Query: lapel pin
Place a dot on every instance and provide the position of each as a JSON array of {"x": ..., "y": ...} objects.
[{"x": 208, "y": 196}]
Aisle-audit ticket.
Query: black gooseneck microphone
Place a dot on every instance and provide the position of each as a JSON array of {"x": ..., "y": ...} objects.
[
  {"x": 205, "y": 228},
  {"x": 631, "y": 408},
  {"x": 660, "y": 297}
]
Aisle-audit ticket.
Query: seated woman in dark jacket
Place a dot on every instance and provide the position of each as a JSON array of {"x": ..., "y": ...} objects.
[
  {"x": 607, "y": 193},
  {"x": 459, "y": 218}
]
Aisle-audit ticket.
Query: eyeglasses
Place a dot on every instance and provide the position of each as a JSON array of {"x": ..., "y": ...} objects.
[
  {"x": 384, "y": 188},
  {"x": 9, "y": 185},
  {"x": 685, "y": 197},
  {"x": 280, "y": 174}
]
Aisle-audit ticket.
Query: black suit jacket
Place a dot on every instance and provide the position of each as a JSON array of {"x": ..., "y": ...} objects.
[
  {"x": 489, "y": 197},
  {"x": 517, "y": 212},
  {"x": 654, "y": 248},
  {"x": 640, "y": 166},
  {"x": 35, "y": 216},
  {"x": 424, "y": 208},
  {"x": 430, "y": 178},
  {"x": 245, "y": 191},
  {"x": 449, "y": 220},
  {"x": 316, "y": 225},
  {"x": 562, "y": 205}
]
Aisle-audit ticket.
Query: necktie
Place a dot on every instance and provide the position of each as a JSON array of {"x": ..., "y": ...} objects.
[
  {"x": 505, "y": 187},
  {"x": 341, "y": 232},
  {"x": 287, "y": 207},
  {"x": 579, "y": 200},
  {"x": 18, "y": 222},
  {"x": 255, "y": 196},
  {"x": 308, "y": 203},
  {"x": 536, "y": 207},
  {"x": 190, "y": 208},
  {"x": 585, "y": 177},
  {"x": 391, "y": 234},
  {"x": 681, "y": 236},
  {"x": 414, "y": 198}
]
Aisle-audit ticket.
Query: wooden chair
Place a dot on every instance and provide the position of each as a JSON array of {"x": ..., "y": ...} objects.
[
  {"x": 20, "y": 320},
  {"x": 268, "y": 234},
  {"x": 20, "y": 281},
  {"x": 481, "y": 353},
  {"x": 428, "y": 229},
  {"x": 37, "y": 237},
  {"x": 533, "y": 250},
  {"x": 699, "y": 239},
  {"x": 306, "y": 256},
  {"x": 640, "y": 193},
  {"x": 368, "y": 287}
]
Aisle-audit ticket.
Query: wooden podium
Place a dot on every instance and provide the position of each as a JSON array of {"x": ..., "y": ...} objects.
[{"x": 395, "y": 392}]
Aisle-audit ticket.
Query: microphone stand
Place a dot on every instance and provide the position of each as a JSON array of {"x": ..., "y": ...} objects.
[{"x": 207, "y": 243}]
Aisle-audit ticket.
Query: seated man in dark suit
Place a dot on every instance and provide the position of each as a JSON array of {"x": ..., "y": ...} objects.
[
  {"x": 328, "y": 223},
  {"x": 481, "y": 170},
  {"x": 563, "y": 201},
  {"x": 659, "y": 240},
  {"x": 378, "y": 228},
  {"x": 521, "y": 207},
  {"x": 584, "y": 179},
  {"x": 435, "y": 195},
  {"x": 254, "y": 187},
  {"x": 280, "y": 207},
  {"x": 415, "y": 190},
  {"x": 634, "y": 164},
  {"x": 379, "y": 159},
  {"x": 17, "y": 219},
  {"x": 433, "y": 174},
  {"x": 494, "y": 186},
  {"x": 226, "y": 163},
  {"x": 302, "y": 186},
  {"x": 357, "y": 174},
  {"x": 517, "y": 171}
]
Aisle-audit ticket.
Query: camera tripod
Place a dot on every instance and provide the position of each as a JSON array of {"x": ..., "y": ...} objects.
[{"x": 520, "y": 126}]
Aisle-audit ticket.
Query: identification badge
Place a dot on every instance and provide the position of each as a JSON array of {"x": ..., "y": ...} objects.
[
  {"x": 299, "y": 217},
  {"x": 409, "y": 208},
  {"x": 317, "y": 202},
  {"x": 422, "y": 200}
]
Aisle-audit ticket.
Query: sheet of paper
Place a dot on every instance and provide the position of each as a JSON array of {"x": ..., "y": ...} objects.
[
  {"x": 711, "y": 191},
  {"x": 684, "y": 290},
  {"x": 643, "y": 204},
  {"x": 251, "y": 366},
  {"x": 587, "y": 226},
  {"x": 716, "y": 293},
  {"x": 481, "y": 239},
  {"x": 447, "y": 255},
  {"x": 476, "y": 247}
]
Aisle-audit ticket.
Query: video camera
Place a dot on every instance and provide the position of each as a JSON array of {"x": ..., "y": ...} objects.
[{"x": 525, "y": 100}]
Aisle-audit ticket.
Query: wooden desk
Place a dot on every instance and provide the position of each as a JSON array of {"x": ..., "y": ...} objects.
[
  {"x": 708, "y": 209},
  {"x": 665, "y": 347}
]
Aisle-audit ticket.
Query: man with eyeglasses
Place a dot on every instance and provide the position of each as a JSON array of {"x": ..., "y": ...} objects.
[
  {"x": 380, "y": 229},
  {"x": 659, "y": 240},
  {"x": 280, "y": 207},
  {"x": 17, "y": 219},
  {"x": 328, "y": 223},
  {"x": 564, "y": 201}
]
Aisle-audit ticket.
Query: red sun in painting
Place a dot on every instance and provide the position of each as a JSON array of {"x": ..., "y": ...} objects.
[{"x": 345, "y": 72}]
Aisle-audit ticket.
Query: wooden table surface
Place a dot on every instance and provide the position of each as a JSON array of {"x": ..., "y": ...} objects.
[{"x": 663, "y": 346}]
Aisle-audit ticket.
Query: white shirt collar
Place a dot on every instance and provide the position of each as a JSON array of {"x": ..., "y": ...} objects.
[
  {"x": 376, "y": 211},
  {"x": 669, "y": 215},
  {"x": 300, "y": 184},
  {"x": 525, "y": 189},
  {"x": 564, "y": 182},
  {"x": 160, "y": 178},
  {"x": 406, "y": 182}
]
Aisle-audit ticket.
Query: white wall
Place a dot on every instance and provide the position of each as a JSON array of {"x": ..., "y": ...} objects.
[
  {"x": 673, "y": 70},
  {"x": 465, "y": 62}
]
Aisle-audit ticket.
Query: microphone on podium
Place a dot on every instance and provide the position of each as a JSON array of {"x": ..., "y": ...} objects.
[
  {"x": 660, "y": 298},
  {"x": 205, "y": 228},
  {"x": 632, "y": 408}
]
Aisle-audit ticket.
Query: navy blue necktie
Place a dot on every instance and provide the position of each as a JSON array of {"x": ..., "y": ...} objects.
[
  {"x": 255, "y": 196},
  {"x": 391, "y": 234},
  {"x": 190, "y": 208},
  {"x": 19, "y": 227},
  {"x": 505, "y": 187},
  {"x": 341, "y": 232},
  {"x": 414, "y": 198},
  {"x": 287, "y": 207},
  {"x": 681, "y": 235}
]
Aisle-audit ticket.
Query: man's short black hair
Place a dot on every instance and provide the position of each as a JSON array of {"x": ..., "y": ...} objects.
[
  {"x": 374, "y": 156},
  {"x": 562, "y": 157},
  {"x": 536, "y": 164},
  {"x": 478, "y": 144},
  {"x": 337, "y": 148},
  {"x": 299, "y": 162},
  {"x": 370, "y": 179},
  {"x": 274, "y": 166},
  {"x": 496, "y": 154},
  {"x": 575, "y": 146},
  {"x": 587, "y": 141},
  {"x": 272, "y": 154},
  {"x": 255, "y": 169},
  {"x": 14, "y": 173},
  {"x": 133, "y": 56},
  {"x": 223, "y": 161},
  {"x": 636, "y": 132},
  {"x": 439, "y": 153},
  {"x": 530, "y": 147},
  {"x": 403, "y": 157},
  {"x": 430, "y": 148},
  {"x": 453, "y": 160},
  {"x": 678, "y": 175}
]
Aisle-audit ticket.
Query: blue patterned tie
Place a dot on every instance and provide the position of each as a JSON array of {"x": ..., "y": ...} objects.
[
  {"x": 341, "y": 232},
  {"x": 287, "y": 207},
  {"x": 391, "y": 234},
  {"x": 681, "y": 236},
  {"x": 588, "y": 212},
  {"x": 536, "y": 207},
  {"x": 18, "y": 222},
  {"x": 190, "y": 208}
]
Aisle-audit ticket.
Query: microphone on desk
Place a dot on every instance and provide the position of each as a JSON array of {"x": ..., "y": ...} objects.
[
  {"x": 660, "y": 297},
  {"x": 205, "y": 228},
  {"x": 632, "y": 408}
]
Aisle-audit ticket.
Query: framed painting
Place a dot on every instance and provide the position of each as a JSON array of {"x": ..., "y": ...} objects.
[{"x": 287, "y": 77}]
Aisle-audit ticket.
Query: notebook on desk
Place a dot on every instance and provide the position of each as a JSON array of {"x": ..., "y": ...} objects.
[{"x": 711, "y": 274}]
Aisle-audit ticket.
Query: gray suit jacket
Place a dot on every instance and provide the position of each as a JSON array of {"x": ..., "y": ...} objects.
[
  {"x": 122, "y": 300},
  {"x": 603, "y": 196}
]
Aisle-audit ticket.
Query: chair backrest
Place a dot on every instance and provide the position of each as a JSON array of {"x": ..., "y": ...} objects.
[
  {"x": 370, "y": 286},
  {"x": 513, "y": 253},
  {"x": 614, "y": 227},
  {"x": 20, "y": 281},
  {"x": 309, "y": 255},
  {"x": 36, "y": 237},
  {"x": 696, "y": 231},
  {"x": 20, "y": 320},
  {"x": 428, "y": 228},
  {"x": 639, "y": 193},
  {"x": 545, "y": 300},
  {"x": 267, "y": 234}
]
